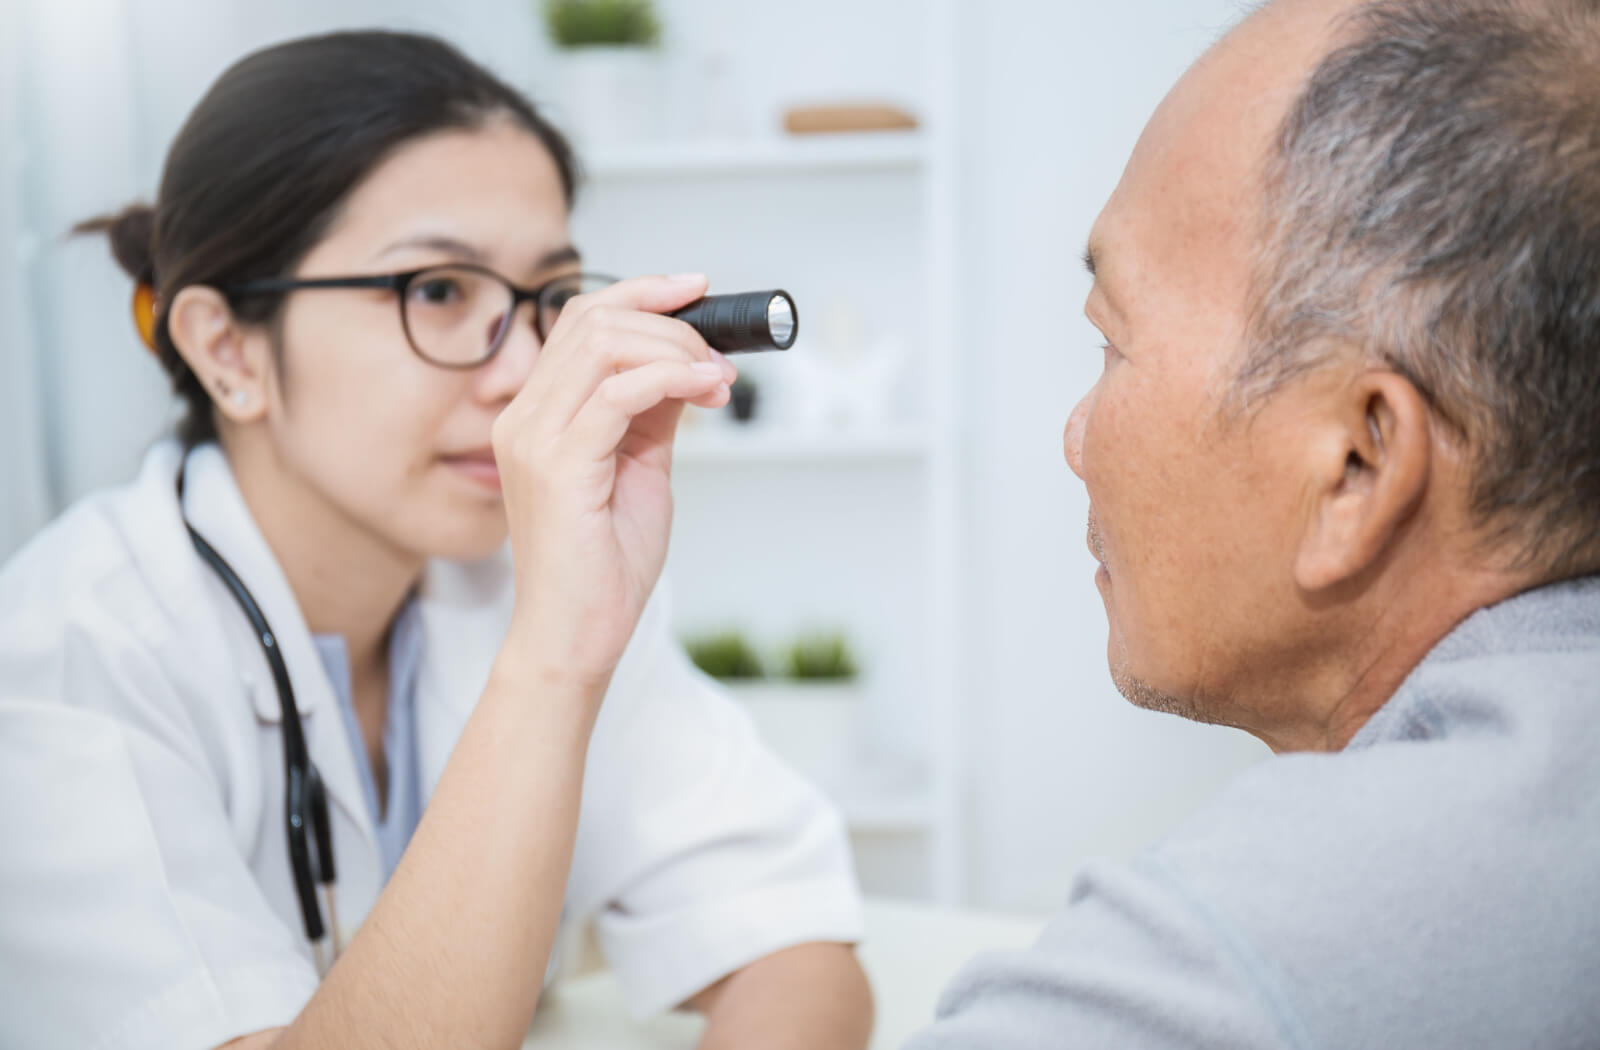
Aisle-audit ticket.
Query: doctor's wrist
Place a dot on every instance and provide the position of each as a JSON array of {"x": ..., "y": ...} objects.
[{"x": 522, "y": 671}]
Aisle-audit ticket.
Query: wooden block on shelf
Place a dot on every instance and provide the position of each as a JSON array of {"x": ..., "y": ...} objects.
[{"x": 842, "y": 117}]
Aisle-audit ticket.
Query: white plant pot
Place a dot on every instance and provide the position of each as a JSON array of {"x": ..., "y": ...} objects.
[
  {"x": 611, "y": 95},
  {"x": 811, "y": 725}
]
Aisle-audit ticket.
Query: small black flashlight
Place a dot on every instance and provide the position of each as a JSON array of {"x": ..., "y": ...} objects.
[{"x": 745, "y": 323}]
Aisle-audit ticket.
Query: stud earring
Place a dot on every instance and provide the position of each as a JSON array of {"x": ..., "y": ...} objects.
[{"x": 240, "y": 398}]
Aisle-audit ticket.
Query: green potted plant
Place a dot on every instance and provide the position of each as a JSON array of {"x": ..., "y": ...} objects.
[
  {"x": 820, "y": 657},
  {"x": 726, "y": 656},
  {"x": 602, "y": 23},
  {"x": 608, "y": 67}
]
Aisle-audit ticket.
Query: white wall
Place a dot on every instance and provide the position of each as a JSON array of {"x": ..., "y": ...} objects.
[
  {"x": 1063, "y": 768},
  {"x": 24, "y": 494}
]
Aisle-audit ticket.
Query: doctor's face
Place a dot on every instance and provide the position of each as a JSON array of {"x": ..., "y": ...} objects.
[{"x": 395, "y": 444}]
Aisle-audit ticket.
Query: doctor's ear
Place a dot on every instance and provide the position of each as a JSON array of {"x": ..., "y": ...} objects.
[{"x": 230, "y": 360}]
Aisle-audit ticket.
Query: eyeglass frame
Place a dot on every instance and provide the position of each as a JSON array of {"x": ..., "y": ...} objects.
[{"x": 401, "y": 282}]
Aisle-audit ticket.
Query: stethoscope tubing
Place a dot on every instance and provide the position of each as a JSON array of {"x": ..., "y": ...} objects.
[{"x": 306, "y": 817}]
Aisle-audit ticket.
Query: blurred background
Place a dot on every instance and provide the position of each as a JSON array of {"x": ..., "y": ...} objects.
[{"x": 884, "y": 557}]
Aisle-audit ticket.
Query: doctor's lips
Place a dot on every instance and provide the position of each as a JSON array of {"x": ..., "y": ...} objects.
[{"x": 476, "y": 464}]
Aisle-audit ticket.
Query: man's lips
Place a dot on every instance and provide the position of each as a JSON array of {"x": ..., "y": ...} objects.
[{"x": 1096, "y": 543}]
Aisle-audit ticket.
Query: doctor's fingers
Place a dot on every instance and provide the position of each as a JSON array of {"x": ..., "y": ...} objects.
[
  {"x": 605, "y": 343},
  {"x": 529, "y": 432},
  {"x": 603, "y": 422},
  {"x": 647, "y": 295}
]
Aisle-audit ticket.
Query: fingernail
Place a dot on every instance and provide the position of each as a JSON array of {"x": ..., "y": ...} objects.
[
  {"x": 687, "y": 278},
  {"x": 709, "y": 369}
]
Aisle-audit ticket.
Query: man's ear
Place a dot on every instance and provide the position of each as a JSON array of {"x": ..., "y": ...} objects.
[
  {"x": 1370, "y": 471},
  {"x": 230, "y": 363}
]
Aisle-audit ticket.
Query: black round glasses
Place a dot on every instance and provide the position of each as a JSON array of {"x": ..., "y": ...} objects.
[{"x": 455, "y": 315}]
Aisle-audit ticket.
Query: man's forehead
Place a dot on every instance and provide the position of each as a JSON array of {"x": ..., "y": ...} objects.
[{"x": 1193, "y": 182}]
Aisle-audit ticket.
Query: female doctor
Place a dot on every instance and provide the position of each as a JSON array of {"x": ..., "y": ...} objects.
[{"x": 297, "y": 633}]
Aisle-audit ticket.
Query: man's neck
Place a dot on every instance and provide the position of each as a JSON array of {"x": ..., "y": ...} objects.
[
  {"x": 347, "y": 581},
  {"x": 1398, "y": 628}
]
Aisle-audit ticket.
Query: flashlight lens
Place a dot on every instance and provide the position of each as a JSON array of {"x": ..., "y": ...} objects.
[
  {"x": 780, "y": 320},
  {"x": 746, "y": 322}
]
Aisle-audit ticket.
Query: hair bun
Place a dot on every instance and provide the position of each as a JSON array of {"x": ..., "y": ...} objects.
[{"x": 132, "y": 235}]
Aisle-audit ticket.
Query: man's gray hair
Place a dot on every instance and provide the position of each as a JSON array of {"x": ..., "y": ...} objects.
[{"x": 1433, "y": 201}]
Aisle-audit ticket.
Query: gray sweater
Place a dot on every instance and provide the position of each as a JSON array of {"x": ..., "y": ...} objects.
[{"x": 1435, "y": 884}]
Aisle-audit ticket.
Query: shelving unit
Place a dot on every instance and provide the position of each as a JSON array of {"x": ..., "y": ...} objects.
[
  {"x": 780, "y": 527},
  {"x": 809, "y": 154}
]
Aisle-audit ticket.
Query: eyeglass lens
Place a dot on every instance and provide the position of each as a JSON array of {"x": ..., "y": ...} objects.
[{"x": 456, "y": 315}]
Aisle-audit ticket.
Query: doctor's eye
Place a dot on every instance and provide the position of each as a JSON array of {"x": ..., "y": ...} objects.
[
  {"x": 562, "y": 291},
  {"x": 437, "y": 290}
]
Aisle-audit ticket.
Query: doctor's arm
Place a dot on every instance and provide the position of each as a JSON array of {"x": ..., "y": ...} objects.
[
  {"x": 807, "y": 996},
  {"x": 720, "y": 881},
  {"x": 455, "y": 949}
]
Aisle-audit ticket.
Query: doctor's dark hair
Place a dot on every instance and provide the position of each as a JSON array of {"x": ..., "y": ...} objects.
[
  {"x": 1433, "y": 203},
  {"x": 260, "y": 169}
]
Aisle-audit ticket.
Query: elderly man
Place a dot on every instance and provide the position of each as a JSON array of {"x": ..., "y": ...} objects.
[{"x": 1344, "y": 462}]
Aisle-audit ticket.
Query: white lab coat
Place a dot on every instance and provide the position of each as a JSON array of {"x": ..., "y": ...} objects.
[{"x": 145, "y": 890}]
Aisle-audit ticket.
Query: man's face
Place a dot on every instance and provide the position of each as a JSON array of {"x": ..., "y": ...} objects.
[{"x": 1195, "y": 516}]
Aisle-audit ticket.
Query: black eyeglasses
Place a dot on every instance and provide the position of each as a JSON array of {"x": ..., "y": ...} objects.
[{"x": 456, "y": 315}]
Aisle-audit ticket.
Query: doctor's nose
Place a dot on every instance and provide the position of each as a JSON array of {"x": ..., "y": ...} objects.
[{"x": 504, "y": 374}]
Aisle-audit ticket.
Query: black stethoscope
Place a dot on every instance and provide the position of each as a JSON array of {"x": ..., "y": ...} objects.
[{"x": 305, "y": 799}]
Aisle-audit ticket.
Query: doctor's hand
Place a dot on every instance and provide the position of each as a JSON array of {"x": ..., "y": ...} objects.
[{"x": 585, "y": 453}]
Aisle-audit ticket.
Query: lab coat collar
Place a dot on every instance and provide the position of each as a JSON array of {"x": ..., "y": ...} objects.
[
  {"x": 215, "y": 507},
  {"x": 464, "y": 609}
]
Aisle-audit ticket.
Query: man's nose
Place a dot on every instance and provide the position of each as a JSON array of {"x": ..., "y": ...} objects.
[{"x": 1072, "y": 440}]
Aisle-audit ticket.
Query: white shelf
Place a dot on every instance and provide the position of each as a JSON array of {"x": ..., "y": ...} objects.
[
  {"x": 799, "y": 154},
  {"x": 874, "y": 802},
  {"x": 898, "y": 192},
  {"x": 720, "y": 444}
]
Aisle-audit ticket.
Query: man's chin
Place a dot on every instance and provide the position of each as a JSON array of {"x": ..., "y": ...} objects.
[
  {"x": 1137, "y": 691},
  {"x": 1141, "y": 693}
]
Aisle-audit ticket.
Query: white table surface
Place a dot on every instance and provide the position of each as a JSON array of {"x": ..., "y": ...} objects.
[{"x": 910, "y": 953}]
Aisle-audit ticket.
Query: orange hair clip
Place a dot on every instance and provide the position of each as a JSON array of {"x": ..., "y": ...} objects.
[{"x": 144, "y": 314}]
